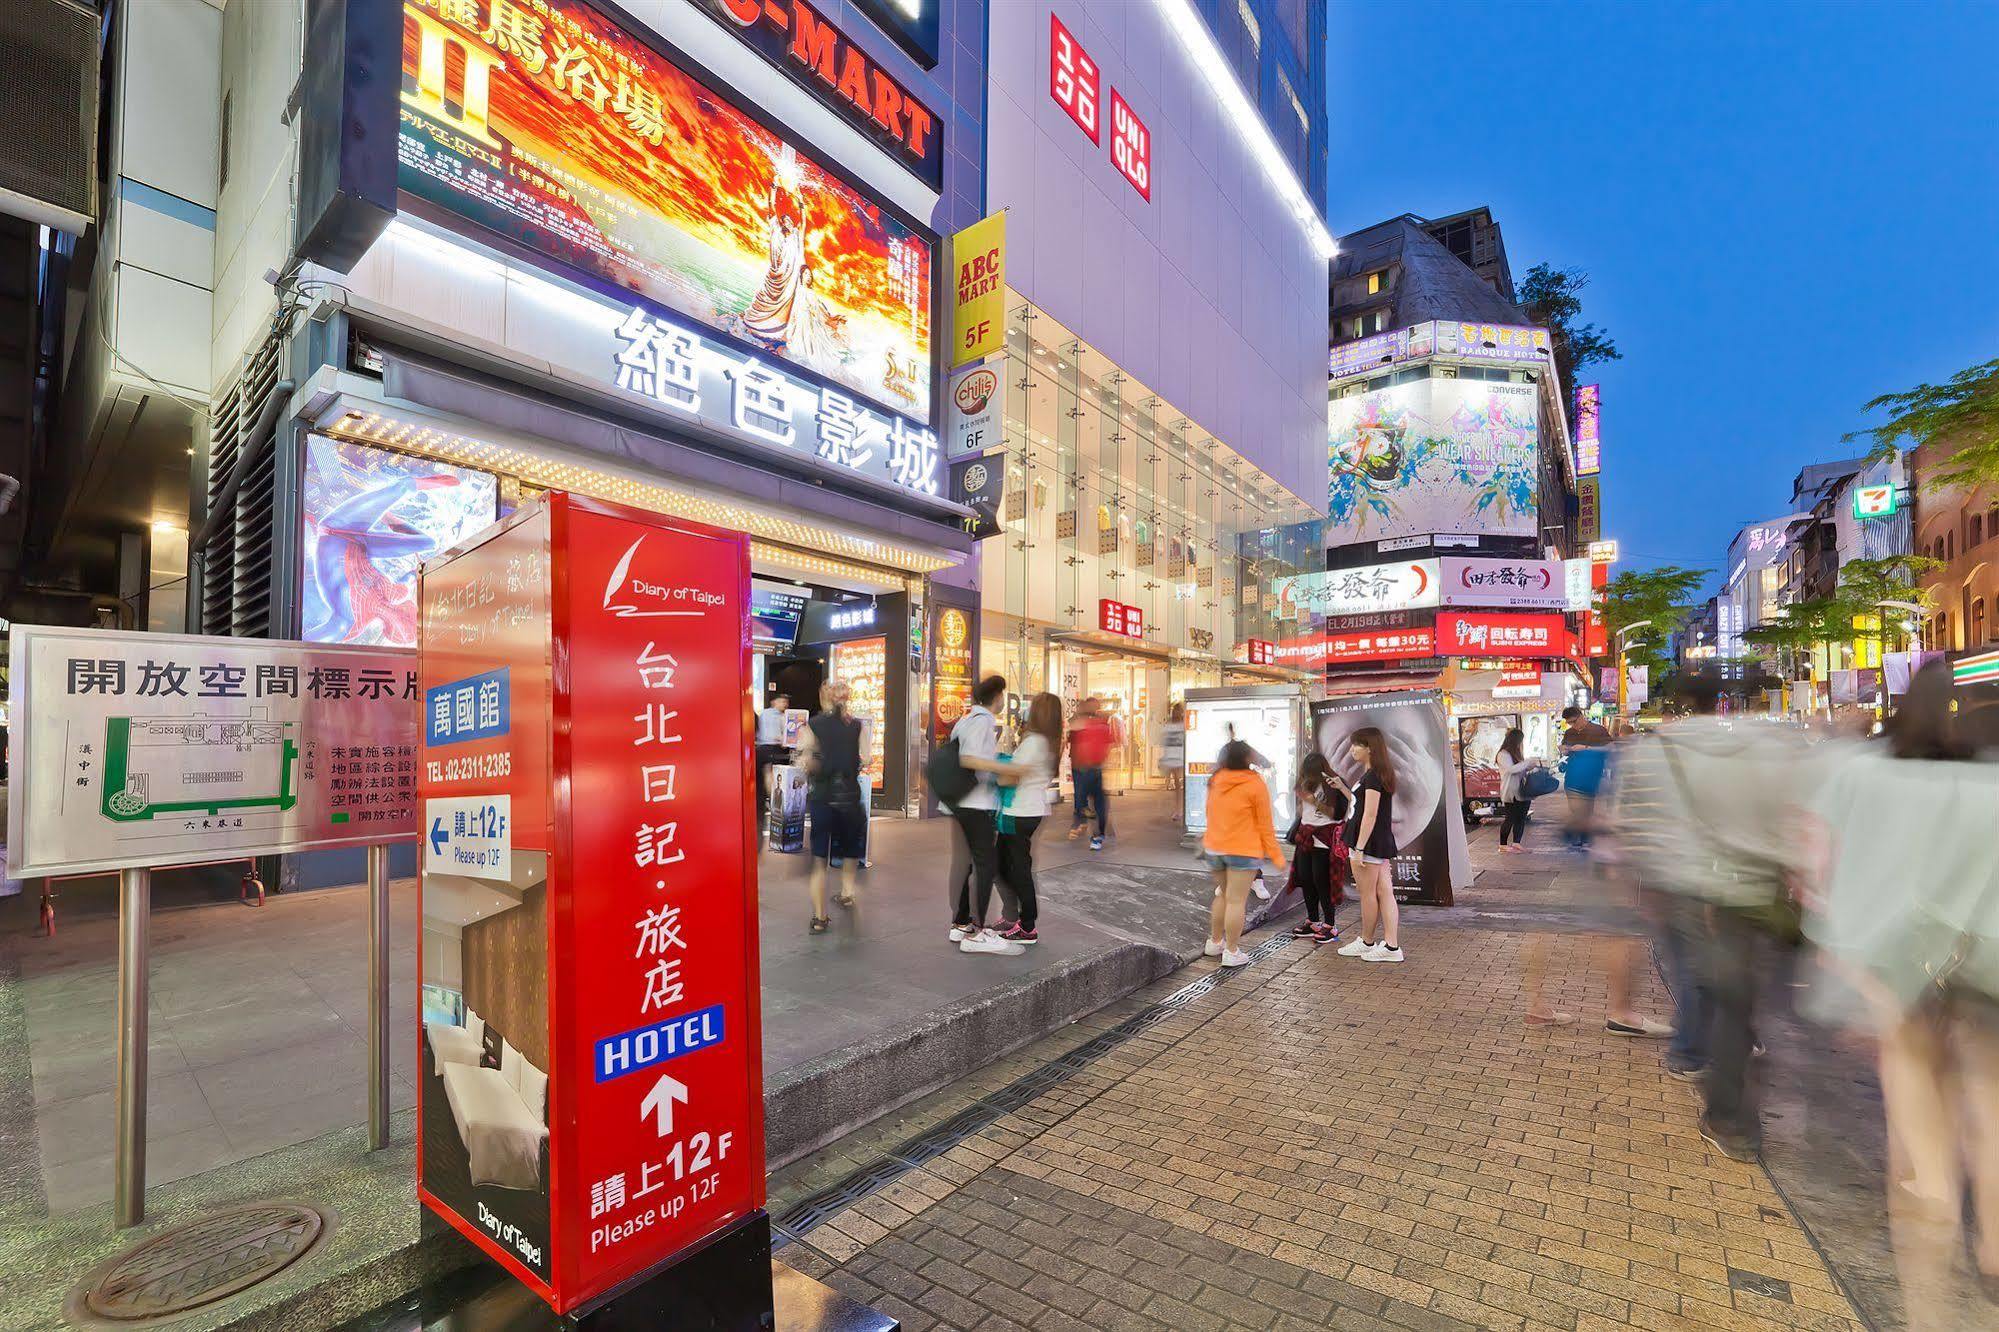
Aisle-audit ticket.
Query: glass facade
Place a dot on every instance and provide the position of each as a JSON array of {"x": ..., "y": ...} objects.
[{"x": 1112, "y": 495}]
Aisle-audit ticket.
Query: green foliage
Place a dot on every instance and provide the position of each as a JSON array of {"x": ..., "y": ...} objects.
[
  {"x": 1962, "y": 411},
  {"x": 1552, "y": 298},
  {"x": 1655, "y": 595}
]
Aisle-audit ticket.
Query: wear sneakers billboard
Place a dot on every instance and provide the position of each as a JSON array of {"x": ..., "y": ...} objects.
[
  {"x": 1434, "y": 455},
  {"x": 549, "y": 126}
]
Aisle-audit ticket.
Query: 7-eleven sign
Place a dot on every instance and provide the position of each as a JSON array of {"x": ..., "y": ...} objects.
[{"x": 1874, "y": 502}]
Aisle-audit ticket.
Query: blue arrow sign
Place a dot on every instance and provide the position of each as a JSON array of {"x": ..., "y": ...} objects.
[{"x": 438, "y": 837}]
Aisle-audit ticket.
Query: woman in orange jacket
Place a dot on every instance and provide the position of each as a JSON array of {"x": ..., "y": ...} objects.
[{"x": 1241, "y": 834}]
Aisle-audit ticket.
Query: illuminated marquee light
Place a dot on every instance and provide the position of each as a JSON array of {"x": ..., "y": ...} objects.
[{"x": 1200, "y": 46}]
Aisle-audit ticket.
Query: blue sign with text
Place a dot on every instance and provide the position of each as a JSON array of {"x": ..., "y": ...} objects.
[{"x": 475, "y": 708}]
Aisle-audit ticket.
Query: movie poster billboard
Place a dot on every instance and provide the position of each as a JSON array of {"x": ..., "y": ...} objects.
[
  {"x": 371, "y": 518},
  {"x": 549, "y": 126},
  {"x": 1431, "y": 858},
  {"x": 1434, "y": 455}
]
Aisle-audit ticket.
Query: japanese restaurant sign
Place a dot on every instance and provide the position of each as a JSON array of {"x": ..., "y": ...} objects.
[
  {"x": 1464, "y": 633},
  {"x": 152, "y": 750},
  {"x": 546, "y": 129},
  {"x": 625, "y": 990},
  {"x": 811, "y": 50}
]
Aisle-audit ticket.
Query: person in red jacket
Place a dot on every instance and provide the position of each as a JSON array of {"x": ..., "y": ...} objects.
[{"x": 1090, "y": 738}]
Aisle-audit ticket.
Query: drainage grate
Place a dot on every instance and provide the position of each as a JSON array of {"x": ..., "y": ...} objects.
[
  {"x": 199, "y": 1263},
  {"x": 798, "y": 1219}
]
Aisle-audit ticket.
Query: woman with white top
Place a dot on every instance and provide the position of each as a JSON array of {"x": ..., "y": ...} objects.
[
  {"x": 1024, "y": 803},
  {"x": 1513, "y": 769}
]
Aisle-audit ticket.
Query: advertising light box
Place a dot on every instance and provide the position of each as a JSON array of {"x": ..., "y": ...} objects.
[
  {"x": 553, "y": 131},
  {"x": 590, "y": 1089},
  {"x": 1434, "y": 455},
  {"x": 1466, "y": 633}
]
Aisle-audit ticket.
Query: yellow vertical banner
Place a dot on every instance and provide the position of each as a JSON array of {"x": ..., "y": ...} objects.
[{"x": 978, "y": 290}]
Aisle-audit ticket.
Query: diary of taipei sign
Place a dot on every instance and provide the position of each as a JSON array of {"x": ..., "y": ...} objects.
[
  {"x": 554, "y": 132},
  {"x": 613, "y": 963},
  {"x": 1076, "y": 83},
  {"x": 151, "y": 750},
  {"x": 813, "y": 52}
]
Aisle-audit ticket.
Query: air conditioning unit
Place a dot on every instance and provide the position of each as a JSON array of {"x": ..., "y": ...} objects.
[{"x": 48, "y": 119}]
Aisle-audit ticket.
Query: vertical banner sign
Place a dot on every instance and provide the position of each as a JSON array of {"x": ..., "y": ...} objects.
[
  {"x": 631, "y": 1122},
  {"x": 1131, "y": 146},
  {"x": 978, "y": 290},
  {"x": 952, "y": 685},
  {"x": 1589, "y": 508},
  {"x": 1074, "y": 80},
  {"x": 1589, "y": 447}
]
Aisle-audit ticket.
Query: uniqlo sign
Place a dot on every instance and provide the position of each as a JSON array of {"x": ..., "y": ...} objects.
[
  {"x": 1501, "y": 635},
  {"x": 1381, "y": 644},
  {"x": 1114, "y": 617},
  {"x": 614, "y": 965},
  {"x": 1074, "y": 81},
  {"x": 1259, "y": 652},
  {"x": 1131, "y": 146}
]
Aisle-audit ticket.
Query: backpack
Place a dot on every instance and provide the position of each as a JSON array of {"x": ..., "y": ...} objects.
[{"x": 950, "y": 780}]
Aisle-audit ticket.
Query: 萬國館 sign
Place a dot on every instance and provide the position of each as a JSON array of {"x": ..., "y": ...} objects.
[
  {"x": 1402, "y": 585},
  {"x": 140, "y": 750}
]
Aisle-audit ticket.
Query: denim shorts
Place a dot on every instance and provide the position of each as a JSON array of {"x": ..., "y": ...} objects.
[
  {"x": 1364, "y": 858},
  {"x": 1233, "y": 862}
]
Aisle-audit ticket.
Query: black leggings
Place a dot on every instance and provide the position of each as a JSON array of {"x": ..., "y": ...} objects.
[
  {"x": 1016, "y": 865},
  {"x": 1315, "y": 880},
  {"x": 1513, "y": 826}
]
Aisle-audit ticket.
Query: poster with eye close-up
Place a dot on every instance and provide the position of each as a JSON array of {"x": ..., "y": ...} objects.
[{"x": 1432, "y": 858}]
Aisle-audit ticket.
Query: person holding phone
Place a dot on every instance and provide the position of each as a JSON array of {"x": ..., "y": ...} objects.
[{"x": 1371, "y": 835}]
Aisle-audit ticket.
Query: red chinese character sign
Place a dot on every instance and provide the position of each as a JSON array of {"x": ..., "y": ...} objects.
[
  {"x": 1467, "y": 633},
  {"x": 1074, "y": 79},
  {"x": 1259, "y": 652},
  {"x": 1115, "y": 617},
  {"x": 621, "y": 950},
  {"x": 1131, "y": 146}
]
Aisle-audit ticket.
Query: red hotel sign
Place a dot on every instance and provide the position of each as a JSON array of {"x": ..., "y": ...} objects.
[
  {"x": 1114, "y": 617},
  {"x": 1463, "y": 633},
  {"x": 607, "y": 925},
  {"x": 1074, "y": 80},
  {"x": 798, "y": 39}
]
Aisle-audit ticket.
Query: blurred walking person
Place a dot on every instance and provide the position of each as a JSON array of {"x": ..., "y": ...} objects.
[
  {"x": 1371, "y": 843},
  {"x": 771, "y": 751},
  {"x": 1513, "y": 767},
  {"x": 976, "y": 863},
  {"x": 1090, "y": 738},
  {"x": 1319, "y": 858},
  {"x": 1241, "y": 838},
  {"x": 832, "y": 755},
  {"x": 1023, "y": 805},
  {"x": 1585, "y": 748},
  {"x": 1706, "y": 813},
  {"x": 1910, "y": 913}
]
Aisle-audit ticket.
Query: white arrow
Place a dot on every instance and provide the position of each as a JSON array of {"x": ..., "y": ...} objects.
[{"x": 659, "y": 1101}]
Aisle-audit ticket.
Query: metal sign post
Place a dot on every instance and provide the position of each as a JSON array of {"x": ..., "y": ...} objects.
[
  {"x": 135, "y": 910},
  {"x": 378, "y": 998}
]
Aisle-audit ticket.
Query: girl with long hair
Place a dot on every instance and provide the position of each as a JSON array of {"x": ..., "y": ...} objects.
[
  {"x": 1371, "y": 835},
  {"x": 1323, "y": 800},
  {"x": 1241, "y": 836},
  {"x": 1513, "y": 768},
  {"x": 1024, "y": 803}
]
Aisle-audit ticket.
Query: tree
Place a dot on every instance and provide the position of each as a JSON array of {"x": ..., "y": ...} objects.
[
  {"x": 1963, "y": 412},
  {"x": 1552, "y": 298},
  {"x": 1655, "y": 598}
]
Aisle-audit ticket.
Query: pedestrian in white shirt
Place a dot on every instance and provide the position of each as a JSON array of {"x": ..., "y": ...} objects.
[
  {"x": 1024, "y": 803},
  {"x": 771, "y": 749},
  {"x": 977, "y": 734}
]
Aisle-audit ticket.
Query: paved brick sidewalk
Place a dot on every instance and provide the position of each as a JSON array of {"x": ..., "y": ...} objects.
[{"x": 1319, "y": 1142}]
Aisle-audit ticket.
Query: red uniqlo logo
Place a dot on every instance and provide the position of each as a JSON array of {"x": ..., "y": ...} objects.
[
  {"x": 1114, "y": 617},
  {"x": 1260, "y": 652},
  {"x": 1073, "y": 82},
  {"x": 1131, "y": 146}
]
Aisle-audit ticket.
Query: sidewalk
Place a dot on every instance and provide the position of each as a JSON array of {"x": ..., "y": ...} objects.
[
  {"x": 258, "y": 1036},
  {"x": 1314, "y": 1142}
]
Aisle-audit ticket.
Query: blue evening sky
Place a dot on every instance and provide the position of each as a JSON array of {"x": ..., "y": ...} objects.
[{"x": 1785, "y": 209}]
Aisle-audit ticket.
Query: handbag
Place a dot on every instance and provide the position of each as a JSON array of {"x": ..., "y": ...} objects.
[{"x": 1537, "y": 783}]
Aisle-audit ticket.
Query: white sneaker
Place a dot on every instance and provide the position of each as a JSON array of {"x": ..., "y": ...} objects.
[
  {"x": 958, "y": 933},
  {"x": 1238, "y": 958},
  {"x": 986, "y": 941},
  {"x": 1381, "y": 952},
  {"x": 1213, "y": 948},
  {"x": 1354, "y": 948},
  {"x": 1256, "y": 886}
]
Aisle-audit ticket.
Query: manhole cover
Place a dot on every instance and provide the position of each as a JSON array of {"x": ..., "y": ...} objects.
[{"x": 202, "y": 1262}]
